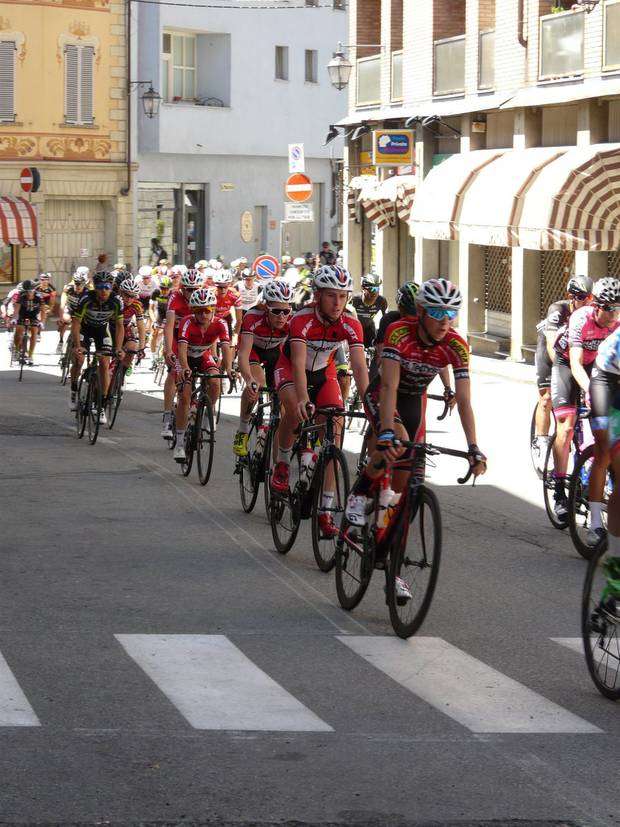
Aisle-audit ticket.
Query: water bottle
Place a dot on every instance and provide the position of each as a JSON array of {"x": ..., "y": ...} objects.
[
  {"x": 261, "y": 439},
  {"x": 308, "y": 462},
  {"x": 584, "y": 475}
]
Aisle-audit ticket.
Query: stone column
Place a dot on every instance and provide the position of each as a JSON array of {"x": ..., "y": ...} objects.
[
  {"x": 592, "y": 119},
  {"x": 387, "y": 260},
  {"x": 351, "y": 230},
  {"x": 524, "y": 300},
  {"x": 426, "y": 258},
  {"x": 471, "y": 284}
]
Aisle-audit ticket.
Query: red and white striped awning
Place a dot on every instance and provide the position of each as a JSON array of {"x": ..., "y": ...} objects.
[
  {"x": 543, "y": 198},
  {"x": 384, "y": 202},
  {"x": 18, "y": 221}
]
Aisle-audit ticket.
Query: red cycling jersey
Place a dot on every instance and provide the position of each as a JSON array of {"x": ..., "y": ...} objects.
[
  {"x": 419, "y": 362},
  {"x": 264, "y": 337},
  {"x": 226, "y": 302},
  {"x": 179, "y": 305},
  {"x": 322, "y": 337},
  {"x": 131, "y": 308},
  {"x": 200, "y": 339}
]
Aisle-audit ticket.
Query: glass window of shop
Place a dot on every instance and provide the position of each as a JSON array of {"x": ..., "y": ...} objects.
[{"x": 8, "y": 263}]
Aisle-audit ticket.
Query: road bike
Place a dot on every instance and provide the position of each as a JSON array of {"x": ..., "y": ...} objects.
[
  {"x": 66, "y": 359},
  {"x": 89, "y": 398},
  {"x": 253, "y": 469},
  {"x": 549, "y": 478},
  {"x": 402, "y": 537},
  {"x": 600, "y": 621},
  {"x": 200, "y": 430},
  {"x": 22, "y": 354},
  {"x": 535, "y": 452},
  {"x": 579, "y": 502},
  {"x": 315, "y": 455}
]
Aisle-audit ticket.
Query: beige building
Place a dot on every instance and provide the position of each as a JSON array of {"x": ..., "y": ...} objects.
[
  {"x": 63, "y": 111},
  {"x": 516, "y": 110}
]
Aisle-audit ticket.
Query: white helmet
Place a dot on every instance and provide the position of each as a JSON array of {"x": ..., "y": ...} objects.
[
  {"x": 332, "y": 278},
  {"x": 191, "y": 279},
  {"x": 277, "y": 291},
  {"x": 82, "y": 271},
  {"x": 215, "y": 264},
  {"x": 222, "y": 277},
  {"x": 80, "y": 278},
  {"x": 203, "y": 297},
  {"x": 145, "y": 270},
  {"x": 299, "y": 261},
  {"x": 177, "y": 268},
  {"x": 130, "y": 286},
  {"x": 200, "y": 265},
  {"x": 439, "y": 293},
  {"x": 606, "y": 291}
]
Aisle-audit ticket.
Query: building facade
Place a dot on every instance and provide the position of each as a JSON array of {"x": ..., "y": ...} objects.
[
  {"x": 238, "y": 86},
  {"x": 516, "y": 112},
  {"x": 63, "y": 111}
]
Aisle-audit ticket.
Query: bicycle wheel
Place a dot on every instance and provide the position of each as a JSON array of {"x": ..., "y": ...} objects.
[
  {"x": 205, "y": 440},
  {"x": 600, "y": 624},
  {"x": 249, "y": 472},
  {"x": 172, "y": 443},
  {"x": 65, "y": 360},
  {"x": 363, "y": 456},
  {"x": 266, "y": 470},
  {"x": 579, "y": 503},
  {"x": 22, "y": 355},
  {"x": 218, "y": 408},
  {"x": 81, "y": 411},
  {"x": 324, "y": 538},
  {"x": 414, "y": 558},
  {"x": 285, "y": 510},
  {"x": 535, "y": 452},
  {"x": 355, "y": 563},
  {"x": 548, "y": 482},
  {"x": 93, "y": 405},
  {"x": 190, "y": 443},
  {"x": 115, "y": 395}
]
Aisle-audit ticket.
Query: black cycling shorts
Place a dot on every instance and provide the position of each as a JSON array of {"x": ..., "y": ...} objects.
[
  {"x": 100, "y": 336},
  {"x": 602, "y": 387},
  {"x": 564, "y": 388},
  {"x": 267, "y": 357},
  {"x": 543, "y": 363}
]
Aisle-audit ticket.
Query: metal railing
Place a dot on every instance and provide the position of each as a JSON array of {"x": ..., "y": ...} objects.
[
  {"x": 486, "y": 60},
  {"x": 611, "y": 42},
  {"x": 561, "y": 45},
  {"x": 397, "y": 76},
  {"x": 449, "y": 66},
  {"x": 368, "y": 80}
]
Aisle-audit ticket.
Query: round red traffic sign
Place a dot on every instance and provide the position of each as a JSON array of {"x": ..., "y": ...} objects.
[
  {"x": 298, "y": 187},
  {"x": 266, "y": 267},
  {"x": 26, "y": 179}
]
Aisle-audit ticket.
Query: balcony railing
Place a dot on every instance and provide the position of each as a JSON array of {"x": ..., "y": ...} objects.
[
  {"x": 561, "y": 45},
  {"x": 611, "y": 55},
  {"x": 368, "y": 80},
  {"x": 397, "y": 76},
  {"x": 486, "y": 58},
  {"x": 449, "y": 65}
]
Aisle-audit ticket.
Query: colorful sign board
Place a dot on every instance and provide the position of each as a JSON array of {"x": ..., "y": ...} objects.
[
  {"x": 392, "y": 147},
  {"x": 296, "y": 158},
  {"x": 298, "y": 187},
  {"x": 266, "y": 267}
]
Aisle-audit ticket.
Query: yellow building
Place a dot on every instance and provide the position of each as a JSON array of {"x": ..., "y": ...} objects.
[{"x": 63, "y": 111}]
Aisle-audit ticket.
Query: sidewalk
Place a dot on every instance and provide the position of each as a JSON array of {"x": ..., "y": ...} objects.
[{"x": 513, "y": 371}]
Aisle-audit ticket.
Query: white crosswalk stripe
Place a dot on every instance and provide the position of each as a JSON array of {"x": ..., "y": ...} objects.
[
  {"x": 215, "y": 686},
  {"x": 14, "y": 707},
  {"x": 472, "y": 693},
  {"x": 574, "y": 643}
]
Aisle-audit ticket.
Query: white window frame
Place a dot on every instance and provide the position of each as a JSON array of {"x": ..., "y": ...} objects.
[
  {"x": 82, "y": 118},
  {"x": 187, "y": 68},
  {"x": 11, "y": 93},
  {"x": 314, "y": 65},
  {"x": 608, "y": 67},
  {"x": 285, "y": 63}
]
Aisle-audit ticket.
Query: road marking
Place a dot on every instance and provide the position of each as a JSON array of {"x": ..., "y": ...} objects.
[
  {"x": 215, "y": 686},
  {"x": 466, "y": 689},
  {"x": 574, "y": 643},
  {"x": 14, "y": 707}
]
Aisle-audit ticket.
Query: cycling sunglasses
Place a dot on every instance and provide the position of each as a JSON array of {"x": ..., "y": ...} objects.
[
  {"x": 280, "y": 311},
  {"x": 440, "y": 313},
  {"x": 103, "y": 286},
  {"x": 608, "y": 308},
  {"x": 205, "y": 310},
  {"x": 579, "y": 296}
]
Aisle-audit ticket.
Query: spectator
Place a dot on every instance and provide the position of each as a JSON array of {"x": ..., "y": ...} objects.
[
  {"x": 102, "y": 263},
  {"x": 326, "y": 254},
  {"x": 157, "y": 251}
]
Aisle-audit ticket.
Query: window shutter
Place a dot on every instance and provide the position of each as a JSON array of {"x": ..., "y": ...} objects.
[
  {"x": 71, "y": 84},
  {"x": 87, "y": 55},
  {"x": 7, "y": 80}
]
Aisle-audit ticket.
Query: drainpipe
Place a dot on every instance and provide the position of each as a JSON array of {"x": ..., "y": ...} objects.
[
  {"x": 126, "y": 190},
  {"x": 521, "y": 24}
]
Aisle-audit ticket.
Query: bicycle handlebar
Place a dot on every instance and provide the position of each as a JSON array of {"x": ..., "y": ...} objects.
[
  {"x": 440, "y": 398},
  {"x": 427, "y": 448}
]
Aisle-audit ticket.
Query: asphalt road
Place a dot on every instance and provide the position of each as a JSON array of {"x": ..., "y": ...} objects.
[{"x": 160, "y": 662}]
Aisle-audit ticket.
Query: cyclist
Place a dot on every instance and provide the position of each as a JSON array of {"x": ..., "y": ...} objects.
[
  {"x": 199, "y": 333},
  {"x": 248, "y": 289},
  {"x": 416, "y": 348},
  {"x": 176, "y": 271},
  {"x": 305, "y": 373},
  {"x": 263, "y": 330},
  {"x": 178, "y": 308},
  {"x": 368, "y": 305},
  {"x": 69, "y": 299},
  {"x": 133, "y": 321},
  {"x": 228, "y": 300},
  {"x": 98, "y": 318},
  {"x": 579, "y": 290},
  {"x": 27, "y": 309},
  {"x": 147, "y": 284},
  {"x": 157, "y": 313},
  {"x": 576, "y": 349},
  {"x": 48, "y": 294}
]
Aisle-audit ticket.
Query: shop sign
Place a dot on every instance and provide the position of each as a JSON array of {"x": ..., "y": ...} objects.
[
  {"x": 366, "y": 165},
  {"x": 392, "y": 147},
  {"x": 226, "y": 187},
  {"x": 298, "y": 212},
  {"x": 247, "y": 226}
]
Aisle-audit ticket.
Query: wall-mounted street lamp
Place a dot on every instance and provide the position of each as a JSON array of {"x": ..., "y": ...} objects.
[
  {"x": 340, "y": 67},
  {"x": 150, "y": 99}
]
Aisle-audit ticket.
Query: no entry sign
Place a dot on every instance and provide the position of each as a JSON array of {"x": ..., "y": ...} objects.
[
  {"x": 266, "y": 267},
  {"x": 29, "y": 179},
  {"x": 298, "y": 187}
]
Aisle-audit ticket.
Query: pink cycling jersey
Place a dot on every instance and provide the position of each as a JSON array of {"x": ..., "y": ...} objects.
[{"x": 582, "y": 331}]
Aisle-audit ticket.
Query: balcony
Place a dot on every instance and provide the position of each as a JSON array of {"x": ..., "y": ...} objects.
[
  {"x": 449, "y": 66},
  {"x": 611, "y": 54},
  {"x": 561, "y": 45},
  {"x": 486, "y": 60},
  {"x": 368, "y": 80},
  {"x": 397, "y": 76}
]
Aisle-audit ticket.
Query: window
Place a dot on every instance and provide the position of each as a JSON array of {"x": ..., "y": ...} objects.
[
  {"x": 7, "y": 81},
  {"x": 611, "y": 59},
  {"x": 178, "y": 66},
  {"x": 281, "y": 62},
  {"x": 312, "y": 65},
  {"x": 79, "y": 84}
]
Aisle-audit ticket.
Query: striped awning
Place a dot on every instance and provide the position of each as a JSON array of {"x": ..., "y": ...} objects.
[
  {"x": 384, "y": 202},
  {"x": 543, "y": 198},
  {"x": 400, "y": 190},
  {"x": 18, "y": 221},
  {"x": 354, "y": 187}
]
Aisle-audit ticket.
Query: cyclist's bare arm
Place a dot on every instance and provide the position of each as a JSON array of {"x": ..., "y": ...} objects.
[
  {"x": 357, "y": 356},
  {"x": 227, "y": 354},
  {"x": 390, "y": 378},
  {"x": 243, "y": 355},
  {"x": 76, "y": 324},
  {"x": 298, "y": 361},
  {"x": 119, "y": 334},
  {"x": 168, "y": 332},
  {"x": 141, "y": 333},
  {"x": 182, "y": 352},
  {"x": 466, "y": 413},
  {"x": 577, "y": 368},
  {"x": 550, "y": 337}
]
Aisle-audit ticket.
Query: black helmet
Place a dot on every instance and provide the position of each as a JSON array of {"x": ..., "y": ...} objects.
[
  {"x": 27, "y": 285},
  {"x": 102, "y": 278},
  {"x": 579, "y": 285},
  {"x": 406, "y": 297}
]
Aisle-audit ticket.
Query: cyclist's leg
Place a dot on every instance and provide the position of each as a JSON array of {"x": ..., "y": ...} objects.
[
  {"x": 613, "y": 508},
  {"x": 183, "y": 400},
  {"x": 564, "y": 393},
  {"x": 599, "y": 422},
  {"x": 35, "y": 327},
  {"x": 18, "y": 336},
  {"x": 246, "y": 404},
  {"x": 130, "y": 346}
]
